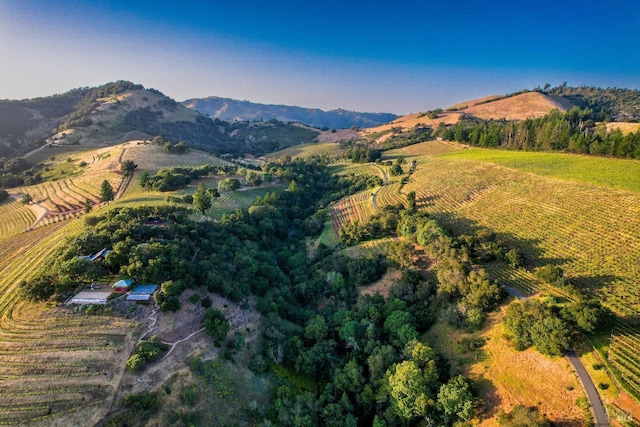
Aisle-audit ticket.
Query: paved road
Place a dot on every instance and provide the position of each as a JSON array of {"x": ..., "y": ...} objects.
[
  {"x": 598, "y": 410},
  {"x": 599, "y": 413}
]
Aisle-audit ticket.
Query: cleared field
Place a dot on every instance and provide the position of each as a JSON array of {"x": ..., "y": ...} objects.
[
  {"x": 505, "y": 377},
  {"x": 152, "y": 158},
  {"x": 233, "y": 200},
  {"x": 308, "y": 150},
  {"x": 618, "y": 174},
  {"x": 427, "y": 148}
]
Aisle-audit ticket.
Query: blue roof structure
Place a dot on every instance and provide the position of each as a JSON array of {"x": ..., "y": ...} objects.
[
  {"x": 144, "y": 289},
  {"x": 142, "y": 292}
]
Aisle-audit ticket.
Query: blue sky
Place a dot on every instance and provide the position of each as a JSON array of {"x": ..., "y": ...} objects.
[{"x": 401, "y": 57}]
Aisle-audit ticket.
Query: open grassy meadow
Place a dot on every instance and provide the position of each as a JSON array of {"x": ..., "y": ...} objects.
[
  {"x": 506, "y": 377},
  {"x": 611, "y": 173},
  {"x": 152, "y": 158},
  {"x": 308, "y": 150}
]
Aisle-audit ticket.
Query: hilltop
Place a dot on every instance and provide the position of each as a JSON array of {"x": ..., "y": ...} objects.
[
  {"x": 519, "y": 107},
  {"x": 233, "y": 109},
  {"x": 122, "y": 111}
]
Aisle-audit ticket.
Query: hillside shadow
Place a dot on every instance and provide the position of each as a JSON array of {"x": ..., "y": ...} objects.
[
  {"x": 530, "y": 248},
  {"x": 599, "y": 281},
  {"x": 491, "y": 400}
]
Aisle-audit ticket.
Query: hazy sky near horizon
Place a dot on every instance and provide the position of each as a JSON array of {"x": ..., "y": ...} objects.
[{"x": 400, "y": 57}]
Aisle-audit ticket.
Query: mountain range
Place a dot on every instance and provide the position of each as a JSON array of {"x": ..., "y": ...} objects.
[
  {"x": 233, "y": 109},
  {"x": 122, "y": 111}
]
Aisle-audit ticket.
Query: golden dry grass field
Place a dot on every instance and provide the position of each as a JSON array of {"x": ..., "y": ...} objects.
[
  {"x": 506, "y": 377},
  {"x": 519, "y": 107}
]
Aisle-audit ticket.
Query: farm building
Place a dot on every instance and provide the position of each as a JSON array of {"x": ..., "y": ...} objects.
[
  {"x": 142, "y": 292},
  {"x": 122, "y": 285},
  {"x": 89, "y": 297},
  {"x": 100, "y": 255}
]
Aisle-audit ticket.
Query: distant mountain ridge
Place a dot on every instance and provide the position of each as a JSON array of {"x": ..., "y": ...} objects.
[
  {"x": 121, "y": 111},
  {"x": 233, "y": 109}
]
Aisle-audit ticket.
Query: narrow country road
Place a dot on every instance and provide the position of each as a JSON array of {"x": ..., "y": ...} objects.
[
  {"x": 598, "y": 409},
  {"x": 599, "y": 413}
]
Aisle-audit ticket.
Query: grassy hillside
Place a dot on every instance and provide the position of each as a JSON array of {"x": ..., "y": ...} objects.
[
  {"x": 577, "y": 212},
  {"x": 308, "y": 150},
  {"x": 519, "y": 107},
  {"x": 611, "y": 173},
  {"x": 57, "y": 367},
  {"x": 53, "y": 364}
]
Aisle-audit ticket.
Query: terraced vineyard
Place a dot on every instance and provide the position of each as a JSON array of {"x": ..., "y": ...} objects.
[
  {"x": 359, "y": 169},
  {"x": 623, "y": 356},
  {"x": 16, "y": 218},
  {"x": 591, "y": 231},
  {"x": 368, "y": 249},
  {"x": 53, "y": 363},
  {"x": 356, "y": 208},
  {"x": 389, "y": 195}
]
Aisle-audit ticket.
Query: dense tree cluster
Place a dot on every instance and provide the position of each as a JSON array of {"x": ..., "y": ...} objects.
[
  {"x": 362, "y": 154},
  {"x": 614, "y": 104},
  {"x": 179, "y": 177},
  {"x": 18, "y": 171},
  {"x": 362, "y": 353},
  {"x": 401, "y": 138},
  {"x": 145, "y": 352},
  {"x": 550, "y": 328},
  {"x": 575, "y": 131}
]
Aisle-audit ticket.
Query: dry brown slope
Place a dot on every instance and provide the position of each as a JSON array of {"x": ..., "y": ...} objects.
[
  {"x": 471, "y": 103},
  {"x": 519, "y": 107},
  {"x": 415, "y": 119}
]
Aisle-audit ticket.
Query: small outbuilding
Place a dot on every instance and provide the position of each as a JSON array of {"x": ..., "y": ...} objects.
[
  {"x": 89, "y": 297},
  {"x": 122, "y": 285},
  {"x": 142, "y": 292}
]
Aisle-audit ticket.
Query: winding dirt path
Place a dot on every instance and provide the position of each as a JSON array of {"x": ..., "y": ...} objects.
[{"x": 385, "y": 181}]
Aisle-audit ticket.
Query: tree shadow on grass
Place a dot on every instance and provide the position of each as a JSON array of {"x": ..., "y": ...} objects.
[
  {"x": 490, "y": 400},
  {"x": 530, "y": 248}
]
